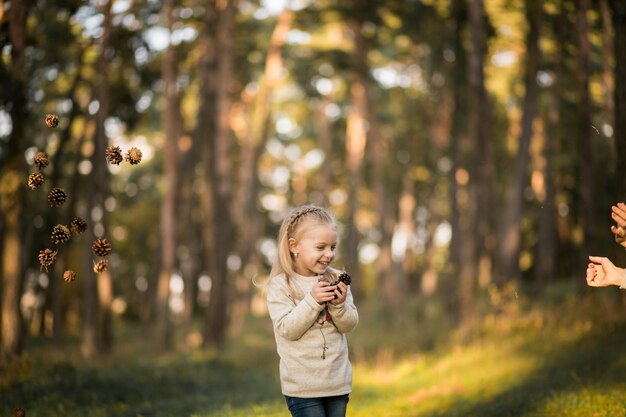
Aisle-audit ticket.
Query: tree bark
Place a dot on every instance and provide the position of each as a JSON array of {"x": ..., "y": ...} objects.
[
  {"x": 11, "y": 192},
  {"x": 459, "y": 87},
  {"x": 97, "y": 336},
  {"x": 472, "y": 219},
  {"x": 249, "y": 223},
  {"x": 510, "y": 229},
  {"x": 587, "y": 180},
  {"x": 355, "y": 148},
  {"x": 173, "y": 130},
  {"x": 219, "y": 167},
  {"x": 618, "y": 8}
]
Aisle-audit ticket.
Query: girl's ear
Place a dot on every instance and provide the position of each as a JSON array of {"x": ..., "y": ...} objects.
[{"x": 293, "y": 246}]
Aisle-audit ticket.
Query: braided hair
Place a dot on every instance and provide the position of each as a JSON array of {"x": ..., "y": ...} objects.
[{"x": 290, "y": 229}]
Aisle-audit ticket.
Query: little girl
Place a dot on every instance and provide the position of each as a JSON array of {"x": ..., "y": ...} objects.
[{"x": 311, "y": 316}]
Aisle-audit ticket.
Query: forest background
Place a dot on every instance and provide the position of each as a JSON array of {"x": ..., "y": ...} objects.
[{"x": 471, "y": 151}]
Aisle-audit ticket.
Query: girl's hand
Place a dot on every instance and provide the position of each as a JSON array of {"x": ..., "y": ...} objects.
[
  {"x": 602, "y": 273},
  {"x": 323, "y": 292},
  {"x": 341, "y": 292}
]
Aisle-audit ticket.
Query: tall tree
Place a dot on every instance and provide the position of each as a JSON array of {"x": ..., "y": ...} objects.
[
  {"x": 510, "y": 228},
  {"x": 253, "y": 138},
  {"x": 472, "y": 216},
  {"x": 215, "y": 99},
  {"x": 457, "y": 130},
  {"x": 173, "y": 130},
  {"x": 97, "y": 336},
  {"x": 585, "y": 149},
  {"x": 11, "y": 189},
  {"x": 618, "y": 8}
]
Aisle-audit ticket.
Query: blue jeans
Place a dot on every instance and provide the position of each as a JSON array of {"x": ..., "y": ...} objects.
[{"x": 318, "y": 407}]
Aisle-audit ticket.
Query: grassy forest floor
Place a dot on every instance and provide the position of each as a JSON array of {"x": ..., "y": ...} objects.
[{"x": 561, "y": 354}]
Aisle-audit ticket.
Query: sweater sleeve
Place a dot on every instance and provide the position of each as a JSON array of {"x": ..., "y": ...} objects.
[
  {"x": 291, "y": 319},
  {"x": 345, "y": 315}
]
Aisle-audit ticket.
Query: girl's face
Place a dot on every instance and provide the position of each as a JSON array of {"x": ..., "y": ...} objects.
[{"x": 315, "y": 248}]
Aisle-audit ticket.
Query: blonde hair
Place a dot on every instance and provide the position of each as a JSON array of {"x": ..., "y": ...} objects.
[{"x": 291, "y": 228}]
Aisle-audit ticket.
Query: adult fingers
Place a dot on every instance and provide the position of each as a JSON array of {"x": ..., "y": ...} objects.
[{"x": 597, "y": 259}]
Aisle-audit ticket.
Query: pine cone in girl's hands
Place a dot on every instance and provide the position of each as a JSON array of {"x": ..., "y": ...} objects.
[
  {"x": 333, "y": 279},
  {"x": 345, "y": 278}
]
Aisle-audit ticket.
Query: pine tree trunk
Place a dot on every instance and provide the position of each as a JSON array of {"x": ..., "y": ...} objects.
[
  {"x": 459, "y": 73},
  {"x": 510, "y": 229},
  {"x": 585, "y": 149},
  {"x": 98, "y": 337},
  {"x": 472, "y": 218},
  {"x": 619, "y": 24},
  {"x": 219, "y": 165},
  {"x": 11, "y": 192},
  {"x": 173, "y": 128},
  {"x": 355, "y": 148}
]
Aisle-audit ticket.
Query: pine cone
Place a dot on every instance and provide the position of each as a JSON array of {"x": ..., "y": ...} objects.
[
  {"x": 52, "y": 120},
  {"x": 133, "y": 156},
  {"x": 57, "y": 197},
  {"x": 47, "y": 258},
  {"x": 114, "y": 155},
  {"x": 100, "y": 266},
  {"x": 35, "y": 180},
  {"x": 60, "y": 234},
  {"x": 101, "y": 247},
  {"x": 19, "y": 412},
  {"x": 69, "y": 276},
  {"x": 41, "y": 160},
  {"x": 78, "y": 225},
  {"x": 345, "y": 278}
]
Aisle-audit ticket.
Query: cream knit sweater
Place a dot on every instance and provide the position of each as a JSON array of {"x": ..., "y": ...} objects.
[{"x": 300, "y": 339}]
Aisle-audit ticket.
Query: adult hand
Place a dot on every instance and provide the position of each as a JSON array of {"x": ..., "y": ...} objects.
[
  {"x": 601, "y": 272},
  {"x": 618, "y": 214},
  {"x": 323, "y": 292}
]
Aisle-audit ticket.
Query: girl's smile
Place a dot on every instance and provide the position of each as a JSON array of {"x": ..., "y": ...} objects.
[{"x": 314, "y": 250}]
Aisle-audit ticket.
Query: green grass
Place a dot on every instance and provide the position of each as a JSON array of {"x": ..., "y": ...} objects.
[{"x": 561, "y": 355}]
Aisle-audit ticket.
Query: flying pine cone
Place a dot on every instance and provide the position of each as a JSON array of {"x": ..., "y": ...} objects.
[
  {"x": 57, "y": 197},
  {"x": 133, "y": 156},
  {"x": 101, "y": 247},
  {"x": 52, "y": 120},
  {"x": 113, "y": 155},
  {"x": 19, "y": 412},
  {"x": 41, "y": 160},
  {"x": 35, "y": 180},
  {"x": 69, "y": 276},
  {"x": 100, "y": 266},
  {"x": 60, "y": 234},
  {"x": 47, "y": 258},
  {"x": 78, "y": 225}
]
